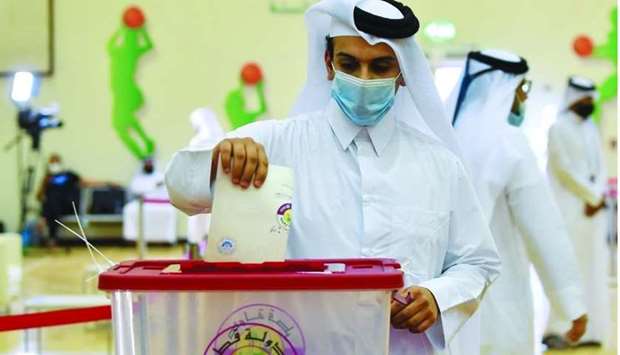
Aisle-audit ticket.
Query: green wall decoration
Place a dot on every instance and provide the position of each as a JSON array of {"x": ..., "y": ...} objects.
[
  {"x": 236, "y": 107},
  {"x": 608, "y": 89},
  {"x": 130, "y": 42},
  {"x": 584, "y": 47}
]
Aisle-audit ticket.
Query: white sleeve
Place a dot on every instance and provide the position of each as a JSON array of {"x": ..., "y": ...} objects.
[
  {"x": 471, "y": 263},
  {"x": 188, "y": 175},
  {"x": 560, "y": 162},
  {"x": 545, "y": 235}
]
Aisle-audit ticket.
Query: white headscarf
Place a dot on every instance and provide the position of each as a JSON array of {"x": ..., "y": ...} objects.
[
  {"x": 420, "y": 103},
  {"x": 482, "y": 120},
  {"x": 578, "y": 87},
  {"x": 489, "y": 98}
]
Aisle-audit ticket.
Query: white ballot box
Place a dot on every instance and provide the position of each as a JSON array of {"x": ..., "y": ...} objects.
[{"x": 295, "y": 307}]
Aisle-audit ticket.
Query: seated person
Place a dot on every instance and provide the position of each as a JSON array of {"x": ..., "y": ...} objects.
[
  {"x": 159, "y": 216},
  {"x": 59, "y": 188}
]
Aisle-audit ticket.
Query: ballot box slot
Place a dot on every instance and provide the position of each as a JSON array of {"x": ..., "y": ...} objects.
[{"x": 267, "y": 267}]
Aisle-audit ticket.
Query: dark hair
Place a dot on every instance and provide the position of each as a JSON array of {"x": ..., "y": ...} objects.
[{"x": 329, "y": 46}]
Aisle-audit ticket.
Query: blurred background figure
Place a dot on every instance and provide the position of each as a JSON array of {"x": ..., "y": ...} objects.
[
  {"x": 579, "y": 180},
  {"x": 488, "y": 108},
  {"x": 59, "y": 189},
  {"x": 159, "y": 218}
]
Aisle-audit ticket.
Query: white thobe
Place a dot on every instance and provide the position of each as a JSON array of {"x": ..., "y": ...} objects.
[
  {"x": 578, "y": 176},
  {"x": 382, "y": 191},
  {"x": 527, "y": 227}
]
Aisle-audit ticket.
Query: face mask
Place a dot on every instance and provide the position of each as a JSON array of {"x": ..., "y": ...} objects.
[
  {"x": 364, "y": 102},
  {"x": 516, "y": 119},
  {"x": 584, "y": 110},
  {"x": 55, "y": 168}
]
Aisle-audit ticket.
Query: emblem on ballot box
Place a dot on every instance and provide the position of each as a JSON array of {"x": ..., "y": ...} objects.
[
  {"x": 226, "y": 246},
  {"x": 258, "y": 329}
]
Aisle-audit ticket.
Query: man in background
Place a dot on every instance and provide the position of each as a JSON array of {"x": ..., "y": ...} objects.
[
  {"x": 578, "y": 177},
  {"x": 524, "y": 220}
]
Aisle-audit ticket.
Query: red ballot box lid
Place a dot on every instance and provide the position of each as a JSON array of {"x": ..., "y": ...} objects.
[{"x": 304, "y": 274}]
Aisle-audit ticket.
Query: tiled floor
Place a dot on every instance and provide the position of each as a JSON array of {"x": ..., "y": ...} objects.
[{"x": 59, "y": 272}]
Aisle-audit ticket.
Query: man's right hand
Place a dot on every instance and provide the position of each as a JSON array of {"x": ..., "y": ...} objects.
[
  {"x": 242, "y": 158},
  {"x": 578, "y": 329},
  {"x": 590, "y": 210}
]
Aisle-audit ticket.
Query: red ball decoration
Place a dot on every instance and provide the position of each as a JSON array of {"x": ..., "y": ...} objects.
[
  {"x": 133, "y": 17},
  {"x": 251, "y": 73},
  {"x": 583, "y": 46}
]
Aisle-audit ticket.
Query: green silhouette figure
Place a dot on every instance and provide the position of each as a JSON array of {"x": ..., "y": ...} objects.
[
  {"x": 236, "y": 107},
  {"x": 125, "y": 48},
  {"x": 238, "y": 115},
  {"x": 609, "y": 51}
]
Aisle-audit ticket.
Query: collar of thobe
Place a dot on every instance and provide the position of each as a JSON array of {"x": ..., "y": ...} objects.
[{"x": 345, "y": 130}]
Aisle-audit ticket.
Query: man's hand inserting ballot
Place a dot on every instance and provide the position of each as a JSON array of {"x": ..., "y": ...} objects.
[
  {"x": 242, "y": 158},
  {"x": 419, "y": 314}
]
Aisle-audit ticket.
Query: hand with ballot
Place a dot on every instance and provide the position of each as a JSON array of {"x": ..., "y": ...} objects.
[
  {"x": 238, "y": 169},
  {"x": 242, "y": 158}
]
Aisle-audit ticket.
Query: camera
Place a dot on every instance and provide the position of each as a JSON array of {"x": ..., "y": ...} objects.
[{"x": 35, "y": 121}]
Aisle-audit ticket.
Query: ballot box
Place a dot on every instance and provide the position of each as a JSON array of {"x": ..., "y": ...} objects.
[{"x": 298, "y": 307}]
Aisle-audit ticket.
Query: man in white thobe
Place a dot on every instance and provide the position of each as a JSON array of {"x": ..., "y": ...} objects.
[
  {"x": 525, "y": 222},
  {"x": 159, "y": 217},
  {"x": 366, "y": 183},
  {"x": 579, "y": 180}
]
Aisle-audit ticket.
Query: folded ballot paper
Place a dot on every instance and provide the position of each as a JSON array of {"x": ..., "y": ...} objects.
[{"x": 251, "y": 225}]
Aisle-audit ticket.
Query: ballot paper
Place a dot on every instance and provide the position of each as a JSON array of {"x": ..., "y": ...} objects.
[{"x": 251, "y": 225}]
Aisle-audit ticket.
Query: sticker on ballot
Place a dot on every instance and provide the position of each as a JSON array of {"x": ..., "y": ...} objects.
[{"x": 251, "y": 225}]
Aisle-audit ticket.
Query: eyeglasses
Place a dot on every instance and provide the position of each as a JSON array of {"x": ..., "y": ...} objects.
[{"x": 526, "y": 86}]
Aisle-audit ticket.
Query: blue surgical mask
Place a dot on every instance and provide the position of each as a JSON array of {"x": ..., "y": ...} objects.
[
  {"x": 516, "y": 119},
  {"x": 364, "y": 102}
]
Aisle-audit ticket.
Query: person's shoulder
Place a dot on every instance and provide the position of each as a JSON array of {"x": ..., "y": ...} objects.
[
  {"x": 72, "y": 174},
  {"x": 561, "y": 125},
  {"x": 282, "y": 131},
  {"x": 514, "y": 134},
  {"x": 305, "y": 124},
  {"x": 431, "y": 149},
  {"x": 305, "y": 119},
  {"x": 515, "y": 145},
  {"x": 299, "y": 120},
  {"x": 425, "y": 142}
]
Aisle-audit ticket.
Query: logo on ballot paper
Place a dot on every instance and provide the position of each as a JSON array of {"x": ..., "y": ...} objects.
[
  {"x": 258, "y": 329},
  {"x": 284, "y": 218},
  {"x": 285, "y": 214}
]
